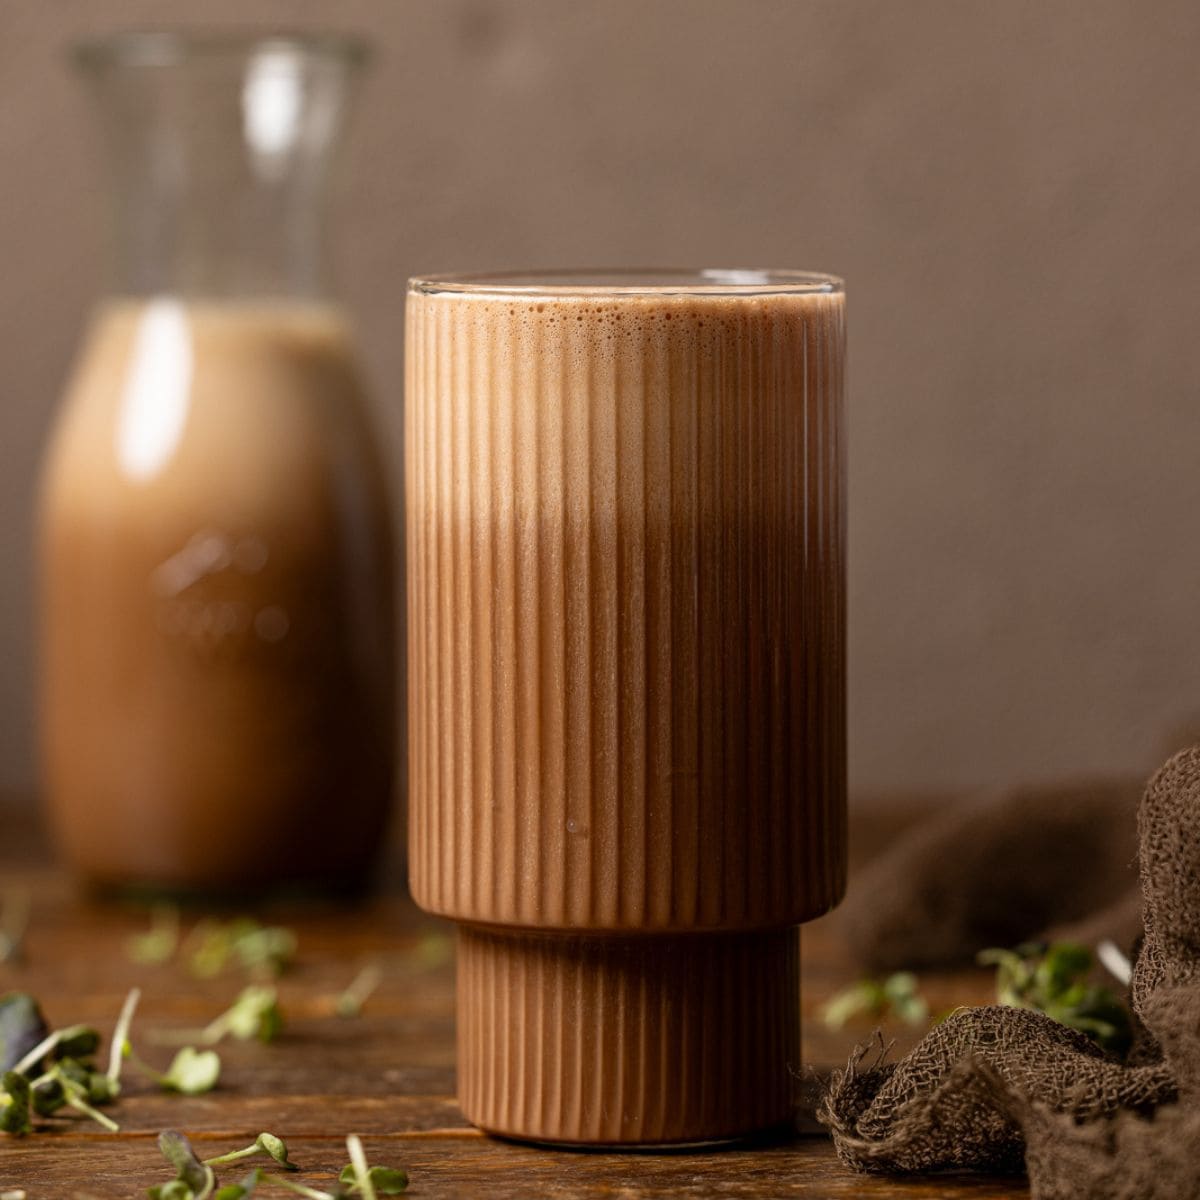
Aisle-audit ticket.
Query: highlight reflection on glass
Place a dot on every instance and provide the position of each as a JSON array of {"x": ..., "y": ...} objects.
[
  {"x": 154, "y": 403},
  {"x": 272, "y": 108}
]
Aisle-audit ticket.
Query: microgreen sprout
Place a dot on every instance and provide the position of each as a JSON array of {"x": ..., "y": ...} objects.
[
  {"x": 75, "y": 1041},
  {"x": 239, "y": 1191},
  {"x": 192, "y": 1072},
  {"x": 266, "y": 1143},
  {"x": 897, "y": 996},
  {"x": 22, "y": 1027},
  {"x": 1053, "y": 979},
  {"x": 350, "y": 1003},
  {"x": 387, "y": 1181},
  {"x": 14, "y": 923},
  {"x": 78, "y": 1096},
  {"x": 195, "y": 1178},
  {"x": 57, "y": 1070},
  {"x": 265, "y": 951},
  {"x": 17, "y": 1096},
  {"x": 367, "y": 1181},
  {"x": 120, "y": 1039},
  {"x": 358, "y": 1163},
  {"x": 254, "y": 1014},
  {"x": 159, "y": 943}
]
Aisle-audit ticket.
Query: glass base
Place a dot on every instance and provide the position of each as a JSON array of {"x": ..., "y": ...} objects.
[{"x": 630, "y": 1042}]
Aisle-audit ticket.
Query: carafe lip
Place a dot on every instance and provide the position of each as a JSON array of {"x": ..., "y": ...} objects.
[
  {"x": 630, "y": 281},
  {"x": 173, "y": 47}
]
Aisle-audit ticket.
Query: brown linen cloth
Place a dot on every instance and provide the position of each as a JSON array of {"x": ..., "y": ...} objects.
[
  {"x": 993, "y": 1085},
  {"x": 1037, "y": 862}
]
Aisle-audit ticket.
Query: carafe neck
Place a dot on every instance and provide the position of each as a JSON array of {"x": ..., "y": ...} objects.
[{"x": 220, "y": 152}]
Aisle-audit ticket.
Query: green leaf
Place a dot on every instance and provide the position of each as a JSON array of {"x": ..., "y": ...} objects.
[
  {"x": 74, "y": 1070},
  {"x": 22, "y": 1027},
  {"x": 101, "y": 1089},
  {"x": 268, "y": 1143},
  {"x": 350, "y": 1003},
  {"x": 48, "y": 1098},
  {"x": 212, "y": 952},
  {"x": 270, "y": 1024},
  {"x": 78, "y": 1041},
  {"x": 177, "y": 1150},
  {"x": 897, "y": 996},
  {"x": 75, "y": 1093},
  {"x": 175, "y": 1190},
  {"x": 862, "y": 998},
  {"x": 388, "y": 1181},
  {"x": 14, "y": 1116},
  {"x": 254, "y": 1014},
  {"x": 1062, "y": 964},
  {"x": 193, "y": 1072},
  {"x": 158, "y": 945},
  {"x": 1053, "y": 980},
  {"x": 265, "y": 949},
  {"x": 238, "y": 1191}
]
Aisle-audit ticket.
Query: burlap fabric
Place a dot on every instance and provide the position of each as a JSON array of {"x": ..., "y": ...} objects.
[{"x": 997, "y": 1088}]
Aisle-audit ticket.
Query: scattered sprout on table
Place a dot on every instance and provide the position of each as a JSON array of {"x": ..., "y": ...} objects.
[
  {"x": 350, "y": 1003},
  {"x": 896, "y": 996},
  {"x": 387, "y": 1181},
  {"x": 266, "y": 1143},
  {"x": 60, "y": 1074},
  {"x": 22, "y": 1027},
  {"x": 1053, "y": 979},
  {"x": 254, "y": 1014},
  {"x": 196, "y": 1179},
  {"x": 192, "y": 1072},
  {"x": 56, "y": 1069},
  {"x": 158, "y": 944},
  {"x": 212, "y": 946},
  {"x": 265, "y": 951},
  {"x": 16, "y": 1101}
]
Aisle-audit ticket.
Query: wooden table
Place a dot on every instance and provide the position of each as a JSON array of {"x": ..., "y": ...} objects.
[{"x": 387, "y": 1075}]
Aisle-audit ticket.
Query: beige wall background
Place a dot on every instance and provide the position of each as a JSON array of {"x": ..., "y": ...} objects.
[{"x": 1011, "y": 189}]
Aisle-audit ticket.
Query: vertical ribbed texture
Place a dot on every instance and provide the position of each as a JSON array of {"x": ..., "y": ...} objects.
[
  {"x": 626, "y": 1040},
  {"x": 626, "y": 540},
  {"x": 626, "y": 609}
]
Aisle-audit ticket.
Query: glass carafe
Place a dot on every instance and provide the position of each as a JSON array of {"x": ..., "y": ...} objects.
[{"x": 217, "y": 674}]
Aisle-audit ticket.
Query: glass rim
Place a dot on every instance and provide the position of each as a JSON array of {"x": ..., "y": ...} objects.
[
  {"x": 171, "y": 47},
  {"x": 630, "y": 281}
]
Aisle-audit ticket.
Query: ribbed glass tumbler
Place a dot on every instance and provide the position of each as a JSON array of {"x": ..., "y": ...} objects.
[{"x": 626, "y": 647}]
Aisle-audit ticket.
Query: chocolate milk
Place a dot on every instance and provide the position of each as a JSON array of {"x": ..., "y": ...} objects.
[
  {"x": 216, "y": 602},
  {"x": 626, "y": 691}
]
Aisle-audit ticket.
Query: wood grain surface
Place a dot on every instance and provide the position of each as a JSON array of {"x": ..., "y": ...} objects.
[{"x": 387, "y": 1075}]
